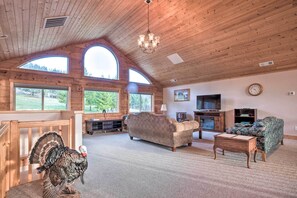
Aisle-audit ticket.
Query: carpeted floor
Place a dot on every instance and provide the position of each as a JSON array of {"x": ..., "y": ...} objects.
[{"x": 121, "y": 168}]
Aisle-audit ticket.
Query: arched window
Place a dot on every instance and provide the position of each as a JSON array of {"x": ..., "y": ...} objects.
[
  {"x": 55, "y": 64},
  {"x": 137, "y": 77},
  {"x": 100, "y": 62}
]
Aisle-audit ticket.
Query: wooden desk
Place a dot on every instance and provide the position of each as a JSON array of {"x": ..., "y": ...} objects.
[{"x": 236, "y": 143}]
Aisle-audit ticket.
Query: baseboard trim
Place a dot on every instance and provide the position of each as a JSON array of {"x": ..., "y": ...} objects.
[{"x": 291, "y": 137}]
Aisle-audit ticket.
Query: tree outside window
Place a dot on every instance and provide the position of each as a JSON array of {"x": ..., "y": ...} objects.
[
  {"x": 97, "y": 101},
  {"x": 140, "y": 103}
]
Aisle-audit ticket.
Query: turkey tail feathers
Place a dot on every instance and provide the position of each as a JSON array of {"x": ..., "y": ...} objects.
[{"x": 43, "y": 145}]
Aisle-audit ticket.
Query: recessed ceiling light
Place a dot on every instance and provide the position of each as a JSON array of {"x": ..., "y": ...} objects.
[
  {"x": 175, "y": 58},
  {"x": 3, "y": 36}
]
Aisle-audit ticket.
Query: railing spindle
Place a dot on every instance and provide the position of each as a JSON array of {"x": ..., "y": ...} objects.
[
  {"x": 40, "y": 134},
  {"x": 60, "y": 130},
  {"x": 29, "y": 149}
]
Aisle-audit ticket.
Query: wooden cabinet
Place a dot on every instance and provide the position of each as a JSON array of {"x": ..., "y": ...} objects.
[
  {"x": 103, "y": 125},
  {"x": 210, "y": 121},
  {"x": 245, "y": 116}
]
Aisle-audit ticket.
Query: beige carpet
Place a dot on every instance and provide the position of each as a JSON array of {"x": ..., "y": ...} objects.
[{"x": 119, "y": 167}]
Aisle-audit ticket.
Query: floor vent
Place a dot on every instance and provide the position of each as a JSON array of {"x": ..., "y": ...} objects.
[{"x": 55, "y": 21}]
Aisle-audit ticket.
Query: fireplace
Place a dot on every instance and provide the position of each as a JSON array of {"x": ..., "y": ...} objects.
[{"x": 208, "y": 123}]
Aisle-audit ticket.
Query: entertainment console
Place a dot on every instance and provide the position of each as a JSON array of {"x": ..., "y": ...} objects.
[
  {"x": 210, "y": 121},
  {"x": 103, "y": 125}
]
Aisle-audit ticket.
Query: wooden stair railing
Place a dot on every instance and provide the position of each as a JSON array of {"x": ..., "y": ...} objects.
[
  {"x": 12, "y": 164},
  {"x": 4, "y": 162}
]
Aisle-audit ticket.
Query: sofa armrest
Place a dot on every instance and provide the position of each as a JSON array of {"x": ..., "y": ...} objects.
[{"x": 186, "y": 125}]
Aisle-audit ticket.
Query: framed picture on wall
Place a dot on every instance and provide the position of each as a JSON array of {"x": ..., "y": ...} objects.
[{"x": 181, "y": 95}]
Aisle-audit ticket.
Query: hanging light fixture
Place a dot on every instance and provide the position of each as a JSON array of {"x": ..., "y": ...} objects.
[{"x": 148, "y": 42}]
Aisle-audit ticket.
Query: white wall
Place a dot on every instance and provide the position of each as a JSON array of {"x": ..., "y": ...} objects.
[{"x": 274, "y": 101}]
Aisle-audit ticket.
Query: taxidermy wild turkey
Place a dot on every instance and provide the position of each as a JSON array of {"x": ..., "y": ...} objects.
[{"x": 61, "y": 164}]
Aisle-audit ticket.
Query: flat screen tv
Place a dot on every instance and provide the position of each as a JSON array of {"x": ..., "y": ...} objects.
[{"x": 209, "y": 102}]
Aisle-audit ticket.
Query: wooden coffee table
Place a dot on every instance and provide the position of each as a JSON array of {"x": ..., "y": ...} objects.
[{"x": 236, "y": 143}]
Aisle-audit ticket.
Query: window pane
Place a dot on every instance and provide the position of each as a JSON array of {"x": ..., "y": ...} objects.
[
  {"x": 28, "y": 99},
  {"x": 134, "y": 102},
  {"x": 55, "y": 99},
  {"x": 140, "y": 103},
  {"x": 97, "y": 101},
  {"x": 49, "y": 64},
  {"x": 135, "y": 76},
  {"x": 100, "y": 62},
  {"x": 146, "y": 103}
]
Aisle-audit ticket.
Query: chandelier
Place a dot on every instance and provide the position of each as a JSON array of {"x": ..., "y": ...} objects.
[{"x": 148, "y": 42}]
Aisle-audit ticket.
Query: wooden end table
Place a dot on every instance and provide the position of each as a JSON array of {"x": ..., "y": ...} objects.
[{"x": 236, "y": 143}]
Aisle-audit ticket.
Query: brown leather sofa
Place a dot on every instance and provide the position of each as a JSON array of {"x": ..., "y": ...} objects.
[{"x": 161, "y": 130}]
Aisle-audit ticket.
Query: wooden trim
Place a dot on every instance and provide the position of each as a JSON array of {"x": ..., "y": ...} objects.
[
  {"x": 290, "y": 137},
  {"x": 49, "y": 123},
  {"x": 31, "y": 111}
]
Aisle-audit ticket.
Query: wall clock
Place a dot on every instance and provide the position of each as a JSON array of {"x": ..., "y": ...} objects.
[{"x": 255, "y": 89}]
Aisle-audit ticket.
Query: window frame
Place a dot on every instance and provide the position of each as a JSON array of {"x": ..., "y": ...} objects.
[
  {"x": 101, "y": 90},
  {"x": 46, "y": 56},
  {"x": 42, "y": 96},
  {"x": 135, "y": 70},
  {"x": 111, "y": 51},
  {"x": 152, "y": 102}
]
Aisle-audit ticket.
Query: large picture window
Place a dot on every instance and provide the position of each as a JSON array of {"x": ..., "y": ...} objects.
[
  {"x": 140, "y": 103},
  {"x": 48, "y": 64},
  {"x": 100, "y": 62},
  {"x": 28, "y": 98},
  {"x": 101, "y": 101}
]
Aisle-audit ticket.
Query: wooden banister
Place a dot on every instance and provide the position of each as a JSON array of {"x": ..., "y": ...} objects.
[
  {"x": 11, "y": 162},
  {"x": 4, "y": 162},
  {"x": 35, "y": 124}
]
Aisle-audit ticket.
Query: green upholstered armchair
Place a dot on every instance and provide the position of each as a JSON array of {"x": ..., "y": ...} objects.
[{"x": 269, "y": 132}]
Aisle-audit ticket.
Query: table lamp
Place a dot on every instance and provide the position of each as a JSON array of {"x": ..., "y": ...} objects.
[{"x": 163, "y": 108}]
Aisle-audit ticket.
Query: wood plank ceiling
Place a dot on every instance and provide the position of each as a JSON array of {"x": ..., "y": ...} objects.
[{"x": 216, "y": 39}]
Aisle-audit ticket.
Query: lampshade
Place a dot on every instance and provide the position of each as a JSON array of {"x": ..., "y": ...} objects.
[{"x": 163, "y": 107}]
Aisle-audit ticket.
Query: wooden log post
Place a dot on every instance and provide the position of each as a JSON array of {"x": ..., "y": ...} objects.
[{"x": 14, "y": 153}]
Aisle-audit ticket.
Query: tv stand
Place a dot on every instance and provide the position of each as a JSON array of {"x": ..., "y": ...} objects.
[{"x": 210, "y": 121}]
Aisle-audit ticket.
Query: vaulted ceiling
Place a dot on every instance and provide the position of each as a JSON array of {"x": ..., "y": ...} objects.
[{"x": 217, "y": 39}]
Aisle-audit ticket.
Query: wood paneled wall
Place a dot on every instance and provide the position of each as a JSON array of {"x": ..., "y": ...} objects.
[{"x": 75, "y": 80}]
